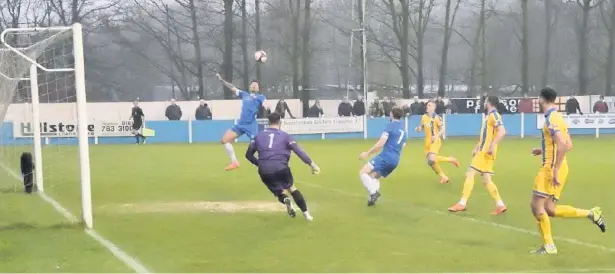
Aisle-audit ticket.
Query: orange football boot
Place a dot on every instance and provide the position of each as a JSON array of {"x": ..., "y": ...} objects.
[
  {"x": 499, "y": 210},
  {"x": 457, "y": 207},
  {"x": 232, "y": 166}
]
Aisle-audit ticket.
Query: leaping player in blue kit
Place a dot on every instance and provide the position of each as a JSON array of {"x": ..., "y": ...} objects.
[
  {"x": 251, "y": 102},
  {"x": 392, "y": 141}
]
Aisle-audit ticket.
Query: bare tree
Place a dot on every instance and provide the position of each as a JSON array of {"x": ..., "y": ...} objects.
[
  {"x": 244, "y": 43},
  {"x": 419, "y": 24},
  {"x": 307, "y": 21},
  {"x": 227, "y": 65},
  {"x": 609, "y": 24},
  {"x": 257, "y": 33},
  {"x": 397, "y": 50},
  {"x": 525, "y": 51},
  {"x": 551, "y": 22},
  {"x": 449, "y": 22},
  {"x": 295, "y": 9},
  {"x": 583, "y": 34}
]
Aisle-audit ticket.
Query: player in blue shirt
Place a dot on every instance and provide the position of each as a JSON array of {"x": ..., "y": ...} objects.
[
  {"x": 251, "y": 102},
  {"x": 390, "y": 145}
]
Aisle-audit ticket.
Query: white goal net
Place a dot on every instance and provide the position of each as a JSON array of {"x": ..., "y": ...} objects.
[{"x": 42, "y": 83}]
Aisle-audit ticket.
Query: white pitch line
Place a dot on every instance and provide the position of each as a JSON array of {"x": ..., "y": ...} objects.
[
  {"x": 117, "y": 252},
  {"x": 508, "y": 227},
  {"x": 565, "y": 270}
]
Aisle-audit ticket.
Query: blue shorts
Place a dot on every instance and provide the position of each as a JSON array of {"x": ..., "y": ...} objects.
[
  {"x": 248, "y": 130},
  {"x": 383, "y": 166}
]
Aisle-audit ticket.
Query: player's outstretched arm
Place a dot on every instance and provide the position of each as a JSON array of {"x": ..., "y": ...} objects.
[
  {"x": 228, "y": 85},
  {"x": 250, "y": 153},
  {"x": 377, "y": 147},
  {"x": 303, "y": 156}
]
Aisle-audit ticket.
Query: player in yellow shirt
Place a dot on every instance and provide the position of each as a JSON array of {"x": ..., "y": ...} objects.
[
  {"x": 492, "y": 132},
  {"x": 551, "y": 178},
  {"x": 433, "y": 126}
]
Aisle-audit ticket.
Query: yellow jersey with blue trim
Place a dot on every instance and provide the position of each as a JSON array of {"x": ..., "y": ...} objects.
[
  {"x": 431, "y": 125},
  {"x": 492, "y": 121},
  {"x": 554, "y": 123}
]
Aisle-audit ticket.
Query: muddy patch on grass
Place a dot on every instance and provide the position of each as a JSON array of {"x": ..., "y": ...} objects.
[{"x": 201, "y": 206}]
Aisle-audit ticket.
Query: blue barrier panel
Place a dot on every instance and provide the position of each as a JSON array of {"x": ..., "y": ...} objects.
[
  {"x": 375, "y": 127},
  {"x": 512, "y": 123},
  {"x": 463, "y": 125},
  {"x": 169, "y": 131},
  {"x": 209, "y": 131},
  {"x": 212, "y": 130},
  {"x": 529, "y": 125}
]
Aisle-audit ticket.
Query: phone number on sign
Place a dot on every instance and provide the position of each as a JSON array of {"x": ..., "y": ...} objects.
[{"x": 116, "y": 127}]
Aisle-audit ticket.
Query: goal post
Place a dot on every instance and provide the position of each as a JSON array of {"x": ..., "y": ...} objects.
[{"x": 55, "y": 55}]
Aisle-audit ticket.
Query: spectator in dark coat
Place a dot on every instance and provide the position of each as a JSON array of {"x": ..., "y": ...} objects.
[
  {"x": 573, "y": 106},
  {"x": 406, "y": 109},
  {"x": 263, "y": 112},
  {"x": 282, "y": 107},
  {"x": 315, "y": 110},
  {"x": 173, "y": 112},
  {"x": 203, "y": 112},
  {"x": 359, "y": 107},
  {"x": 440, "y": 106},
  {"x": 386, "y": 106},
  {"x": 450, "y": 107},
  {"x": 345, "y": 108},
  {"x": 417, "y": 107},
  {"x": 601, "y": 106},
  {"x": 376, "y": 109}
]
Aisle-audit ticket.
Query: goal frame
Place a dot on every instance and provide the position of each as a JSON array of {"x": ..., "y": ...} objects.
[{"x": 82, "y": 120}]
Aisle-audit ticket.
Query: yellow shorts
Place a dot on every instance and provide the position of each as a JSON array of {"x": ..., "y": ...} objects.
[
  {"x": 433, "y": 148},
  {"x": 483, "y": 163},
  {"x": 543, "y": 183}
]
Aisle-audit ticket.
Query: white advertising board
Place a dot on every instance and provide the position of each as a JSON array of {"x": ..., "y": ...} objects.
[
  {"x": 68, "y": 129},
  {"x": 323, "y": 125},
  {"x": 606, "y": 120}
]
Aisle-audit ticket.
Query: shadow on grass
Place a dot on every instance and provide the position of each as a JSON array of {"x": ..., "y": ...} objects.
[{"x": 29, "y": 226}]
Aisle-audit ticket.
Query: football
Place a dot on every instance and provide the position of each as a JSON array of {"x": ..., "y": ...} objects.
[{"x": 260, "y": 56}]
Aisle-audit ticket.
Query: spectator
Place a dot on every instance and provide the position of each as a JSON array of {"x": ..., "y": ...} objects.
[
  {"x": 406, "y": 109},
  {"x": 345, "y": 108},
  {"x": 440, "y": 107},
  {"x": 526, "y": 105},
  {"x": 376, "y": 108},
  {"x": 450, "y": 107},
  {"x": 359, "y": 107},
  {"x": 417, "y": 107},
  {"x": 282, "y": 107},
  {"x": 203, "y": 112},
  {"x": 481, "y": 103},
  {"x": 173, "y": 112},
  {"x": 601, "y": 106},
  {"x": 263, "y": 112},
  {"x": 315, "y": 110},
  {"x": 386, "y": 106},
  {"x": 573, "y": 106}
]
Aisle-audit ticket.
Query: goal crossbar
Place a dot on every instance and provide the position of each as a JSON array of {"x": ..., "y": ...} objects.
[{"x": 49, "y": 40}]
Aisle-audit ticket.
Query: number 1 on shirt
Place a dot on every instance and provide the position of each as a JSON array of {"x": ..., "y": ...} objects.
[{"x": 271, "y": 140}]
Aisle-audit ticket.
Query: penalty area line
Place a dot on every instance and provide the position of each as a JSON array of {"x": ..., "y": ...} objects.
[
  {"x": 130, "y": 261},
  {"x": 470, "y": 219}
]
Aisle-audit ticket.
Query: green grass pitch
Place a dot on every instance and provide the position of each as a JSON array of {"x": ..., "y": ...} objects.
[{"x": 150, "y": 201}]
